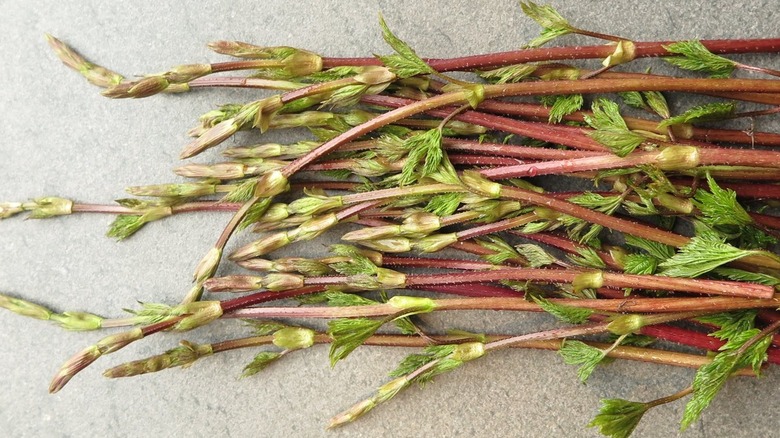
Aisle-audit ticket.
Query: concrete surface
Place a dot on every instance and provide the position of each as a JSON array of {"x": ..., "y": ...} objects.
[{"x": 58, "y": 136}]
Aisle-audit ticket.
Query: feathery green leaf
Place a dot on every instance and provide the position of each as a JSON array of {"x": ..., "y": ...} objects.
[
  {"x": 587, "y": 257},
  {"x": 260, "y": 362},
  {"x": 640, "y": 264},
  {"x": 618, "y": 418},
  {"x": 535, "y": 255},
  {"x": 711, "y": 377},
  {"x": 702, "y": 113},
  {"x": 406, "y": 63},
  {"x": 702, "y": 254},
  {"x": 655, "y": 249},
  {"x": 508, "y": 74},
  {"x": 610, "y": 128},
  {"x": 582, "y": 354},
  {"x": 444, "y": 204},
  {"x": 553, "y": 24},
  {"x": 696, "y": 57},
  {"x": 720, "y": 206},
  {"x": 562, "y": 105},
  {"x": 348, "y": 334},
  {"x": 570, "y": 314}
]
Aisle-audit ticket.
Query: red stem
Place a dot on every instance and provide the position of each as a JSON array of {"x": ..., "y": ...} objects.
[{"x": 642, "y": 50}]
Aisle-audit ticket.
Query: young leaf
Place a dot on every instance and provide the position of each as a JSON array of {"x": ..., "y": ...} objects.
[
  {"x": 358, "y": 264},
  {"x": 696, "y": 57},
  {"x": 124, "y": 226},
  {"x": 502, "y": 250},
  {"x": 711, "y": 377},
  {"x": 444, "y": 204},
  {"x": 562, "y": 105},
  {"x": 243, "y": 192},
  {"x": 415, "y": 361},
  {"x": 610, "y": 128},
  {"x": 255, "y": 212},
  {"x": 425, "y": 147},
  {"x": 337, "y": 298},
  {"x": 587, "y": 257},
  {"x": 406, "y": 63},
  {"x": 702, "y": 254},
  {"x": 348, "y": 334},
  {"x": 595, "y": 201},
  {"x": 640, "y": 264},
  {"x": 580, "y": 353},
  {"x": 731, "y": 324},
  {"x": 702, "y": 113},
  {"x": 753, "y": 277},
  {"x": 720, "y": 206},
  {"x": 657, "y": 102},
  {"x": 264, "y": 327},
  {"x": 655, "y": 249},
  {"x": 508, "y": 74},
  {"x": 260, "y": 362},
  {"x": 553, "y": 24},
  {"x": 618, "y": 418},
  {"x": 570, "y": 314},
  {"x": 535, "y": 255}
]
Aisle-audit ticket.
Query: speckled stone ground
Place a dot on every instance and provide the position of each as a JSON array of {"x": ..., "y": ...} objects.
[{"x": 59, "y": 137}]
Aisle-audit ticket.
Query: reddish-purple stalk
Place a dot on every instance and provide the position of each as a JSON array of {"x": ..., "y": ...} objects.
[{"x": 642, "y": 50}]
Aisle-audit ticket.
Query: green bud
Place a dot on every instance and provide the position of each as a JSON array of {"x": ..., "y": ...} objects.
[
  {"x": 420, "y": 224},
  {"x": 186, "y": 73},
  {"x": 95, "y": 74},
  {"x": 588, "y": 280},
  {"x": 145, "y": 87},
  {"x": 112, "y": 343},
  {"x": 200, "y": 314},
  {"x": 256, "y": 264},
  {"x": 208, "y": 265},
  {"x": 266, "y": 111},
  {"x": 25, "y": 308},
  {"x": 218, "y": 171},
  {"x": 678, "y": 158},
  {"x": 373, "y": 233},
  {"x": 275, "y": 213},
  {"x": 240, "y": 49},
  {"x": 675, "y": 203},
  {"x": 212, "y": 137},
  {"x": 185, "y": 190},
  {"x": 392, "y": 245},
  {"x": 371, "y": 167},
  {"x": 468, "y": 351},
  {"x": 435, "y": 242},
  {"x": 302, "y": 63},
  {"x": 276, "y": 282},
  {"x": 391, "y": 279},
  {"x": 375, "y": 75},
  {"x": 8, "y": 209},
  {"x": 626, "y": 324},
  {"x": 618, "y": 254},
  {"x": 480, "y": 185},
  {"x": 314, "y": 204},
  {"x": 234, "y": 283},
  {"x": 294, "y": 338},
  {"x": 77, "y": 321},
  {"x": 259, "y": 151},
  {"x": 262, "y": 246},
  {"x": 413, "y": 304},
  {"x": 45, "y": 208},
  {"x": 316, "y": 226},
  {"x": 271, "y": 184}
]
